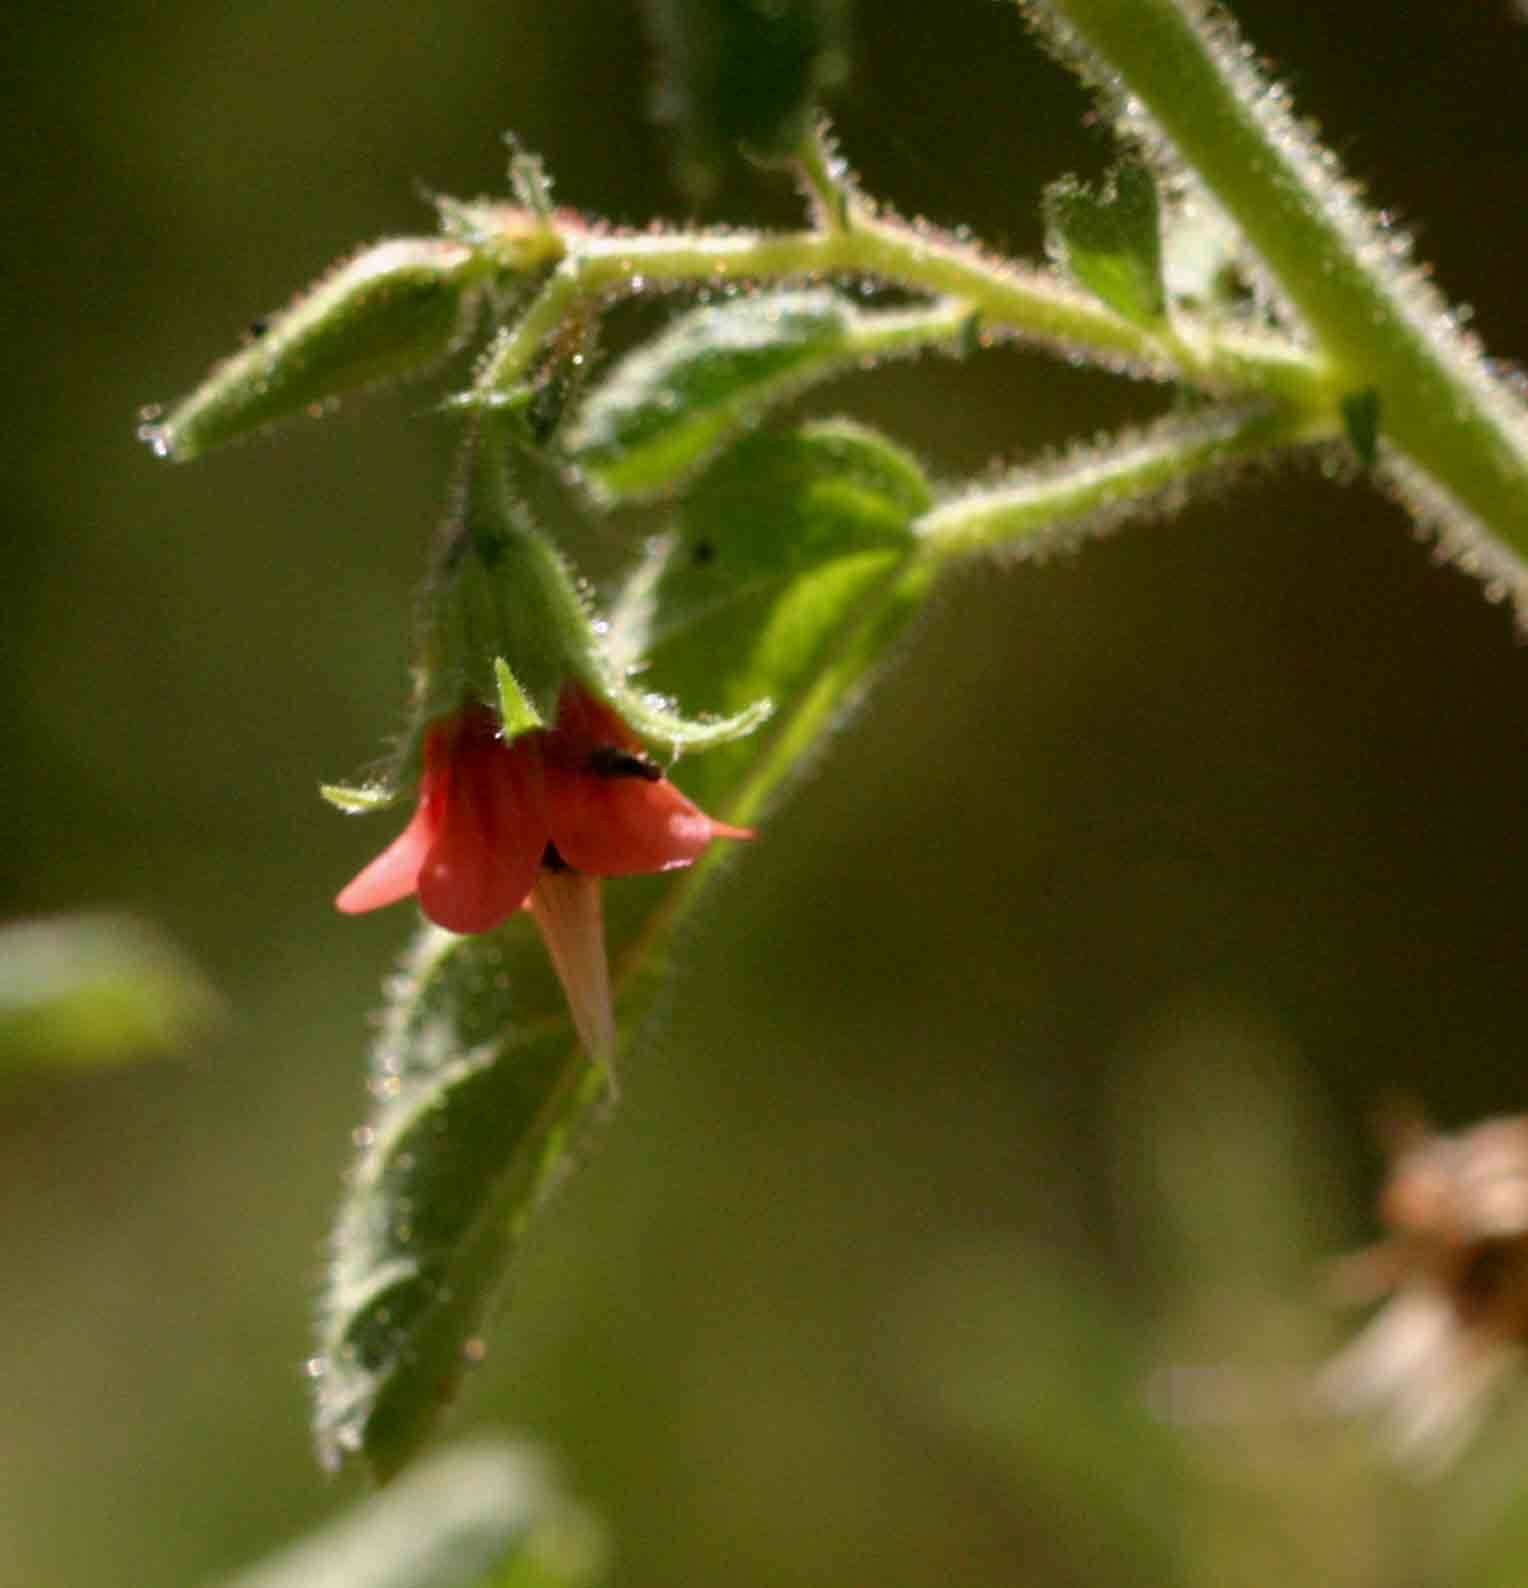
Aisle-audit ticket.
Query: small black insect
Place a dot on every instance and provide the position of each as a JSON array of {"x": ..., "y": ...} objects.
[{"x": 610, "y": 761}]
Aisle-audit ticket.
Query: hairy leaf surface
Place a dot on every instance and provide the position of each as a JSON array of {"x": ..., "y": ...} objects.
[{"x": 666, "y": 407}]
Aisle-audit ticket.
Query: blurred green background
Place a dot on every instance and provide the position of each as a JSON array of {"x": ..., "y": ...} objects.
[{"x": 1235, "y": 796}]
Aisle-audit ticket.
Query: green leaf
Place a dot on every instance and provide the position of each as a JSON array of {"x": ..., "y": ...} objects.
[
  {"x": 744, "y": 72},
  {"x": 1110, "y": 240},
  {"x": 1360, "y": 419},
  {"x": 673, "y": 402},
  {"x": 91, "y": 990},
  {"x": 779, "y": 548},
  {"x": 395, "y": 308},
  {"x": 486, "y": 1515},
  {"x": 480, "y": 1087}
]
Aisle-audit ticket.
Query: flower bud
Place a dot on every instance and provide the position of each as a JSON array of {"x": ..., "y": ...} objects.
[{"x": 391, "y": 310}]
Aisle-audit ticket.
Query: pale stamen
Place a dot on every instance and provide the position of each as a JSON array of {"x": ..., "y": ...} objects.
[{"x": 567, "y": 909}]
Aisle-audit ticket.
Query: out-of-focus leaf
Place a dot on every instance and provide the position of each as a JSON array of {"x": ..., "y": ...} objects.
[
  {"x": 86, "y": 990},
  {"x": 1110, "y": 240},
  {"x": 1021, "y": 1355},
  {"x": 673, "y": 402},
  {"x": 480, "y": 1088},
  {"x": 744, "y": 72},
  {"x": 479, "y": 1516}
]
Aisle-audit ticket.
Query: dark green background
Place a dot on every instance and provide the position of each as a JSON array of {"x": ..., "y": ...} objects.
[{"x": 1252, "y": 780}]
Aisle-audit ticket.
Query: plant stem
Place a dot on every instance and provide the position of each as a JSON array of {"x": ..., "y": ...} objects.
[
  {"x": 1087, "y": 490},
  {"x": 1007, "y": 300},
  {"x": 1378, "y": 322}
]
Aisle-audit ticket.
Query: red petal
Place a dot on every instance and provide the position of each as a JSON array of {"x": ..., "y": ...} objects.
[
  {"x": 485, "y": 857},
  {"x": 394, "y": 874},
  {"x": 619, "y": 826},
  {"x": 585, "y": 724}
]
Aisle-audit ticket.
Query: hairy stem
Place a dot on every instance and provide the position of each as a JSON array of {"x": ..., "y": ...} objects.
[
  {"x": 1376, "y": 320},
  {"x": 1089, "y": 489},
  {"x": 1000, "y": 297}
]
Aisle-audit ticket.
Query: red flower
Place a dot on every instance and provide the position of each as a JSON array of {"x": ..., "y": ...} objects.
[{"x": 493, "y": 817}]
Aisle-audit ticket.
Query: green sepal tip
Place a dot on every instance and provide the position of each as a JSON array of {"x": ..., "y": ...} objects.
[
  {"x": 655, "y": 721},
  {"x": 516, "y": 713},
  {"x": 510, "y": 625},
  {"x": 359, "y": 799}
]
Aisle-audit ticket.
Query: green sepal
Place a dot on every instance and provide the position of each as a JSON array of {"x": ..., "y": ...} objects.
[
  {"x": 358, "y": 799},
  {"x": 1109, "y": 239},
  {"x": 481, "y": 1091},
  {"x": 392, "y": 310},
  {"x": 516, "y": 714},
  {"x": 508, "y": 626},
  {"x": 667, "y": 407},
  {"x": 1360, "y": 420},
  {"x": 506, "y": 597},
  {"x": 654, "y": 720}
]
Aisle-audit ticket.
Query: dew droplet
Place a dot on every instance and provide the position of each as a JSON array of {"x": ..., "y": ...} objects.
[
  {"x": 157, "y": 441},
  {"x": 315, "y": 1367}
]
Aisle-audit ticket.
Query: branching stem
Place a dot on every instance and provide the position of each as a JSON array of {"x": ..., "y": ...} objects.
[
  {"x": 1004, "y": 299},
  {"x": 1380, "y": 325},
  {"x": 1087, "y": 490}
]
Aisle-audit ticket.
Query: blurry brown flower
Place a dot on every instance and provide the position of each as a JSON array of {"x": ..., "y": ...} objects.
[{"x": 1454, "y": 1266}]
